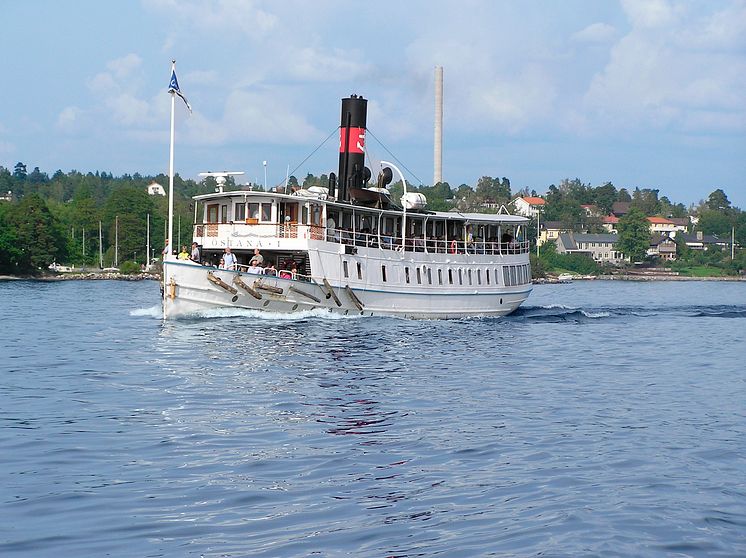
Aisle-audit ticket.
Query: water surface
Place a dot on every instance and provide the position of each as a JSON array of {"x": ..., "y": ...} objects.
[{"x": 602, "y": 418}]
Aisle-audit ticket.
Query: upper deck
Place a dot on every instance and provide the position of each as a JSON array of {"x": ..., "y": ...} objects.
[{"x": 245, "y": 219}]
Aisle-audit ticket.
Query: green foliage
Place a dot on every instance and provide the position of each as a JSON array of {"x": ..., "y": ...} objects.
[
  {"x": 129, "y": 267},
  {"x": 634, "y": 235},
  {"x": 36, "y": 236},
  {"x": 557, "y": 263},
  {"x": 538, "y": 267},
  {"x": 646, "y": 200}
]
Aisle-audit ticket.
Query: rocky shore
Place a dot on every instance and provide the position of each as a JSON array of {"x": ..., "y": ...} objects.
[
  {"x": 85, "y": 276},
  {"x": 635, "y": 277}
]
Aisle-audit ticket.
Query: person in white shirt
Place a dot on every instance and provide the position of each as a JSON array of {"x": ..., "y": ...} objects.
[
  {"x": 255, "y": 269},
  {"x": 229, "y": 259}
]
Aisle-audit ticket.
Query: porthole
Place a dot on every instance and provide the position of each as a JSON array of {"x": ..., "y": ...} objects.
[{"x": 266, "y": 303}]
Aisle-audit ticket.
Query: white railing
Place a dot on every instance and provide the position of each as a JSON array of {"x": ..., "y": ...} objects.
[
  {"x": 428, "y": 245},
  {"x": 440, "y": 245}
]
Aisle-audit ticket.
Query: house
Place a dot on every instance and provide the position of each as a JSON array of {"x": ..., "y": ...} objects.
[
  {"x": 7, "y": 197},
  {"x": 699, "y": 241},
  {"x": 528, "y": 206},
  {"x": 610, "y": 223},
  {"x": 155, "y": 189},
  {"x": 550, "y": 231},
  {"x": 620, "y": 209},
  {"x": 662, "y": 246},
  {"x": 661, "y": 225},
  {"x": 680, "y": 223},
  {"x": 600, "y": 247},
  {"x": 590, "y": 210}
]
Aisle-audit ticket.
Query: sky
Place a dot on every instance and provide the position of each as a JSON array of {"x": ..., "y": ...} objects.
[{"x": 641, "y": 93}]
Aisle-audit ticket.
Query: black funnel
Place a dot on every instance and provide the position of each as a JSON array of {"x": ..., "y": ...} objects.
[{"x": 351, "y": 146}]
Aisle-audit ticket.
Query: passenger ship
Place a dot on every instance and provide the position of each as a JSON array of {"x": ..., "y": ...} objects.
[{"x": 350, "y": 249}]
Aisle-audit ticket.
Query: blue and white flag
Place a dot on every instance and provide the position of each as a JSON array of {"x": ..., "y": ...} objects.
[{"x": 173, "y": 87}]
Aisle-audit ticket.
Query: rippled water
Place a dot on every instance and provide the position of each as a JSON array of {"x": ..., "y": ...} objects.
[{"x": 602, "y": 418}]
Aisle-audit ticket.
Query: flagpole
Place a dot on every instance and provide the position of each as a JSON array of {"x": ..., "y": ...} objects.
[{"x": 171, "y": 171}]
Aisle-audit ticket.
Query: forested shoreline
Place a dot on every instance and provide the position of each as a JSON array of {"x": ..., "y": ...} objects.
[{"x": 46, "y": 219}]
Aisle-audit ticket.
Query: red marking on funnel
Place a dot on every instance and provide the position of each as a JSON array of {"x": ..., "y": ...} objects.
[{"x": 357, "y": 140}]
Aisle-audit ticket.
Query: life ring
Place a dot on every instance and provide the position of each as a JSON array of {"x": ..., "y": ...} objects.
[{"x": 453, "y": 246}]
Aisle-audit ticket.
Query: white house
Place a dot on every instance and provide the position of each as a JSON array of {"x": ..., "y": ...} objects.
[
  {"x": 155, "y": 189},
  {"x": 600, "y": 247},
  {"x": 528, "y": 206}
]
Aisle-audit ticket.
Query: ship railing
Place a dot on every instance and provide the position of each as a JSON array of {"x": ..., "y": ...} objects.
[
  {"x": 272, "y": 272},
  {"x": 427, "y": 245}
]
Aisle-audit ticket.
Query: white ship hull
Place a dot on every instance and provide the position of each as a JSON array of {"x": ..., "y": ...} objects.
[{"x": 190, "y": 291}]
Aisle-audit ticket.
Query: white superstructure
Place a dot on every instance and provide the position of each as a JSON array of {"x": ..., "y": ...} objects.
[{"x": 350, "y": 259}]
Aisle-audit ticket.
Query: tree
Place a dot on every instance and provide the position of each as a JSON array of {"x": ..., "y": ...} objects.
[
  {"x": 9, "y": 248},
  {"x": 718, "y": 201},
  {"x": 604, "y": 197},
  {"x": 634, "y": 235},
  {"x": 130, "y": 207},
  {"x": 646, "y": 200},
  {"x": 19, "y": 172},
  {"x": 39, "y": 236}
]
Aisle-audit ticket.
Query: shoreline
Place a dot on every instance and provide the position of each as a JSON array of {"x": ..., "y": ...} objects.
[
  {"x": 87, "y": 276},
  {"x": 637, "y": 277},
  {"x": 99, "y": 276}
]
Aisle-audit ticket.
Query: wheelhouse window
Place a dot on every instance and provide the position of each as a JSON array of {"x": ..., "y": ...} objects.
[
  {"x": 212, "y": 213},
  {"x": 315, "y": 214},
  {"x": 223, "y": 213},
  {"x": 239, "y": 212},
  {"x": 260, "y": 212}
]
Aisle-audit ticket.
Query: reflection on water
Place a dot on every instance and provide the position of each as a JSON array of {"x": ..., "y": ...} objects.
[{"x": 581, "y": 425}]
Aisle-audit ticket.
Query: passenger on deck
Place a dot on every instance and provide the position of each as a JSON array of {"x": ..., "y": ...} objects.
[
  {"x": 221, "y": 265},
  {"x": 229, "y": 259},
  {"x": 195, "y": 253},
  {"x": 254, "y": 269},
  {"x": 257, "y": 257},
  {"x": 183, "y": 255},
  {"x": 286, "y": 273},
  {"x": 270, "y": 270}
]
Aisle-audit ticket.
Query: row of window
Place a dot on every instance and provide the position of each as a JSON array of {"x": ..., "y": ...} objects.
[{"x": 512, "y": 275}]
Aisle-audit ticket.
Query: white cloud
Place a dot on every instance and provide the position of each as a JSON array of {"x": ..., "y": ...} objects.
[
  {"x": 124, "y": 67},
  {"x": 595, "y": 33},
  {"x": 656, "y": 77},
  {"x": 650, "y": 13},
  {"x": 224, "y": 16},
  {"x": 312, "y": 64},
  {"x": 266, "y": 116},
  {"x": 68, "y": 118},
  {"x": 516, "y": 102}
]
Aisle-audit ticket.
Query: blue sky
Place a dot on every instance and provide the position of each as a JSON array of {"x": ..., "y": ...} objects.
[{"x": 642, "y": 93}]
